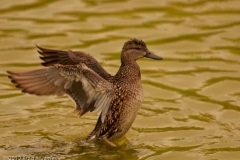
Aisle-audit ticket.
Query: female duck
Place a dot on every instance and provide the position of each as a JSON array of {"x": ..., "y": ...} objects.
[{"x": 80, "y": 76}]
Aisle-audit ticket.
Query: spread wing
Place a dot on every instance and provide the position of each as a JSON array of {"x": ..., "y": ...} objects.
[
  {"x": 52, "y": 56},
  {"x": 90, "y": 91}
]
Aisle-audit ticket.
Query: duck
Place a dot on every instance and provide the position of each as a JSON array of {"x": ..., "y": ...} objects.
[{"x": 80, "y": 76}]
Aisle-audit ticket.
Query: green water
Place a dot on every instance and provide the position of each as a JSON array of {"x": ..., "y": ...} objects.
[{"x": 192, "y": 98}]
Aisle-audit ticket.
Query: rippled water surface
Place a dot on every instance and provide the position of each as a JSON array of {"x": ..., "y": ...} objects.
[{"x": 192, "y": 97}]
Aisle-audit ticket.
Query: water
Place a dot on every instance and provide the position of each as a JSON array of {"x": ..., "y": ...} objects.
[{"x": 192, "y": 97}]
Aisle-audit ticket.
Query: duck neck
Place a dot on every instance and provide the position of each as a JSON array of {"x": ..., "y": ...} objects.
[
  {"x": 127, "y": 61},
  {"x": 129, "y": 72}
]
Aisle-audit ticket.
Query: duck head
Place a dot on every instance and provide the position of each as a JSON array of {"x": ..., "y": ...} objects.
[{"x": 135, "y": 49}]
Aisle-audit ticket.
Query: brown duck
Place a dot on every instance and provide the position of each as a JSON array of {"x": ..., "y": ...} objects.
[{"x": 80, "y": 76}]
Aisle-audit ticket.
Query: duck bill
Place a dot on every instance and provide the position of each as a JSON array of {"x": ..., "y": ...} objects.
[{"x": 153, "y": 56}]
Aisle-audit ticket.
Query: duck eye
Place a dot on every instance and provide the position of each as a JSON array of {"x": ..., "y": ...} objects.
[{"x": 137, "y": 48}]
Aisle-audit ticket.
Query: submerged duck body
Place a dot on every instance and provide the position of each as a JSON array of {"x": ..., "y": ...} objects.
[{"x": 81, "y": 77}]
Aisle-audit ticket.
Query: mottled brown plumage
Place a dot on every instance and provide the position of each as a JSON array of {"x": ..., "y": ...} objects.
[{"x": 80, "y": 76}]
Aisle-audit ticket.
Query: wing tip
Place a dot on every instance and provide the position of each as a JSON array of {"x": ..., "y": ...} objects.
[
  {"x": 42, "y": 58},
  {"x": 38, "y": 47},
  {"x": 11, "y": 76},
  {"x": 79, "y": 112},
  {"x": 40, "y": 52},
  {"x": 11, "y": 73}
]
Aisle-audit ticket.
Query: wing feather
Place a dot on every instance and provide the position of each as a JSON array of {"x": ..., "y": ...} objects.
[
  {"x": 89, "y": 91},
  {"x": 53, "y": 56}
]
